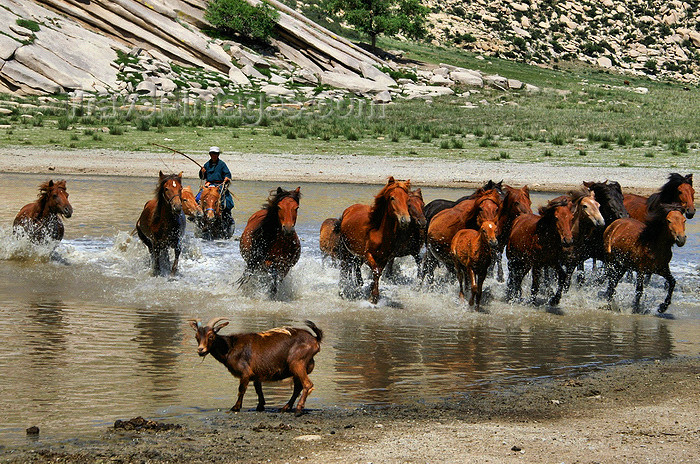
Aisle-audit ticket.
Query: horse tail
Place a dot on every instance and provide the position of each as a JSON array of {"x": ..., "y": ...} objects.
[
  {"x": 318, "y": 332},
  {"x": 336, "y": 225}
]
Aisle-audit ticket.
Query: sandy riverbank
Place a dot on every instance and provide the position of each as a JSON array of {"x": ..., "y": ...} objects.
[
  {"x": 436, "y": 172},
  {"x": 638, "y": 413}
]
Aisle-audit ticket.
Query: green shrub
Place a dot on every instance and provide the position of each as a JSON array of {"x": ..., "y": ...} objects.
[
  {"x": 547, "y": 153},
  {"x": 28, "y": 24},
  {"x": 237, "y": 17},
  {"x": 143, "y": 124},
  {"x": 116, "y": 129},
  {"x": 63, "y": 123},
  {"x": 444, "y": 144}
]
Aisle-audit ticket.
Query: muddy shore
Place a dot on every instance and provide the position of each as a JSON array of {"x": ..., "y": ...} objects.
[
  {"x": 434, "y": 172},
  {"x": 633, "y": 413}
]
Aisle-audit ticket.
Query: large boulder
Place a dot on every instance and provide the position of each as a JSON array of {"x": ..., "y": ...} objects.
[
  {"x": 467, "y": 78},
  {"x": 28, "y": 80},
  {"x": 237, "y": 77},
  {"x": 8, "y": 45},
  {"x": 352, "y": 82}
]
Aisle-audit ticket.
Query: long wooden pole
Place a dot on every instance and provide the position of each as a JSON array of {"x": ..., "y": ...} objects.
[{"x": 179, "y": 153}]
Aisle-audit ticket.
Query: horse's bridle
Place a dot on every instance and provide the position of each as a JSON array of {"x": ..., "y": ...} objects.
[{"x": 170, "y": 200}]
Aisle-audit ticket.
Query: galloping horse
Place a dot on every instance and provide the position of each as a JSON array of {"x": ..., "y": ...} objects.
[
  {"x": 587, "y": 221},
  {"x": 435, "y": 206},
  {"x": 472, "y": 252},
  {"x": 645, "y": 247},
  {"x": 468, "y": 214},
  {"x": 678, "y": 190},
  {"x": 537, "y": 242},
  {"x": 160, "y": 226},
  {"x": 368, "y": 233},
  {"x": 41, "y": 220},
  {"x": 212, "y": 225},
  {"x": 269, "y": 243},
  {"x": 190, "y": 207},
  {"x": 515, "y": 203},
  {"x": 608, "y": 194},
  {"x": 411, "y": 239}
]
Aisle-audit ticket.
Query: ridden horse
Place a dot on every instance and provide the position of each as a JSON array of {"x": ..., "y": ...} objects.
[
  {"x": 435, "y": 206},
  {"x": 678, "y": 190},
  {"x": 160, "y": 225},
  {"x": 412, "y": 238},
  {"x": 41, "y": 220},
  {"x": 269, "y": 243},
  {"x": 472, "y": 252},
  {"x": 468, "y": 214},
  {"x": 515, "y": 203},
  {"x": 368, "y": 234},
  {"x": 645, "y": 247},
  {"x": 212, "y": 225},
  {"x": 537, "y": 242},
  {"x": 587, "y": 221}
]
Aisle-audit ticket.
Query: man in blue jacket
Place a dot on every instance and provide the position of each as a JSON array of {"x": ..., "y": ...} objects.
[{"x": 215, "y": 172}]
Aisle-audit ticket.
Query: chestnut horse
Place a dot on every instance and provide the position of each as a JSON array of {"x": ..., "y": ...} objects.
[
  {"x": 160, "y": 225},
  {"x": 190, "y": 207},
  {"x": 468, "y": 214},
  {"x": 645, "y": 247},
  {"x": 368, "y": 234},
  {"x": 329, "y": 239},
  {"x": 213, "y": 226},
  {"x": 677, "y": 191},
  {"x": 41, "y": 220},
  {"x": 537, "y": 242},
  {"x": 515, "y": 203},
  {"x": 435, "y": 206},
  {"x": 412, "y": 238},
  {"x": 269, "y": 243},
  {"x": 472, "y": 252}
]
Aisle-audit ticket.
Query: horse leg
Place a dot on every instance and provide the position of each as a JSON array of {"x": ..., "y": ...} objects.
[
  {"x": 534, "y": 290},
  {"x": 666, "y": 274},
  {"x": 499, "y": 265},
  {"x": 474, "y": 289},
  {"x": 460, "y": 279},
  {"x": 419, "y": 261},
  {"x": 178, "y": 250},
  {"x": 562, "y": 277},
  {"x": 376, "y": 274},
  {"x": 429, "y": 264},
  {"x": 346, "y": 269},
  {"x": 480, "y": 277},
  {"x": 639, "y": 290},
  {"x": 615, "y": 274},
  {"x": 516, "y": 274}
]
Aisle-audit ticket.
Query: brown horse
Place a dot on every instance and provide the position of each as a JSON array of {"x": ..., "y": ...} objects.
[
  {"x": 41, "y": 220},
  {"x": 329, "y": 239},
  {"x": 677, "y": 191},
  {"x": 368, "y": 234},
  {"x": 190, "y": 207},
  {"x": 645, "y": 247},
  {"x": 537, "y": 242},
  {"x": 213, "y": 225},
  {"x": 472, "y": 252},
  {"x": 160, "y": 226},
  {"x": 412, "y": 238},
  {"x": 269, "y": 243},
  {"x": 515, "y": 203},
  {"x": 468, "y": 214}
]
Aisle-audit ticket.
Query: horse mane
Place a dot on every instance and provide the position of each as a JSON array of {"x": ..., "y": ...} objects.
[
  {"x": 547, "y": 213},
  {"x": 577, "y": 195},
  {"x": 667, "y": 193},
  {"x": 655, "y": 224},
  {"x": 380, "y": 205},
  {"x": 45, "y": 189}
]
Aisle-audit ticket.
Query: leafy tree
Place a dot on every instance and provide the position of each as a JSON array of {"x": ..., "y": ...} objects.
[
  {"x": 388, "y": 17},
  {"x": 239, "y": 17}
]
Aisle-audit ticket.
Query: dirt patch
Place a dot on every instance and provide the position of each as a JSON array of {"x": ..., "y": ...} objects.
[{"x": 642, "y": 412}]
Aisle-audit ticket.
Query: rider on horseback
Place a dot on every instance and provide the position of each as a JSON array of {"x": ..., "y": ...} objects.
[{"x": 215, "y": 172}]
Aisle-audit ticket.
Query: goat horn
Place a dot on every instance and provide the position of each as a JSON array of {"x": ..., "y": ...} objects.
[
  {"x": 196, "y": 321},
  {"x": 212, "y": 323}
]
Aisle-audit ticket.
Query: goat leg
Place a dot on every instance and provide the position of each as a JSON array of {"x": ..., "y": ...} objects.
[
  {"x": 241, "y": 391},
  {"x": 295, "y": 395},
  {"x": 261, "y": 397}
]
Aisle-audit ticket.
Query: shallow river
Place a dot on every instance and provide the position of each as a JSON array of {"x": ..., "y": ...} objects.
[{"x": 98, "y": 339}]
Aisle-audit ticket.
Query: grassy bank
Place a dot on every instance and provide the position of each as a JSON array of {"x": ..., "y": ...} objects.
[{"x": 579, "y": 116}]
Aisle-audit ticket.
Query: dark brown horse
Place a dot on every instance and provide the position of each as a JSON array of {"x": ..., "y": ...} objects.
[
  {"x": 411, "y": 239},
  {"x": 269, "y": 243},
  {"x": 41, "y": 220},
  {"x": 472, "y": 252},
  {"x": 515, "y": 203},
  {"x": 537, "y": 242},
  {"x": 645, "y": 247},
  {"x": 609, "y": 196},
  {"x": 468, "y": 214},
  {"x": 160, "y": 226},
  {"x": 677, "y": 191},
  {"x": 368, "y": 235}
]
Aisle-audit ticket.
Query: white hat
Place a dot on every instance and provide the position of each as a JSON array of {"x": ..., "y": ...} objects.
[{"x": 214, "y": 150}]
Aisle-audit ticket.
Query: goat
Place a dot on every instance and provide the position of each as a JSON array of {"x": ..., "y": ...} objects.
[{"x": 275, "y": 354}]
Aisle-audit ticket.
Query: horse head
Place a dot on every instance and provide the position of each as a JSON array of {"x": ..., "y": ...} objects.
[
  {"x": 287, "y": 208},
  {"x": 676, "y": 226},
  {"x": 170, "y": 189},
  {"x": 189, "y": 203},
  {"x": 211, "y": 206},
  {"x": 392, "y": 200},
  {"x": 608, "y": 194},
  {"x": 686, "y": 195},
  {"x": 585, "y": 206},
  {"x": 488, "y": 206},
  {"x": 517, "y": 201},
  {"x": 558, "y": 213},
  {"x": 489, "y": 232},
  {"x": 56, "y": 197},
  {"x": 416, "y": 206}
]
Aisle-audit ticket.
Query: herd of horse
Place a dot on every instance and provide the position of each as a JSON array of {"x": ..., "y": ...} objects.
[{"x": 467, "y": 236}]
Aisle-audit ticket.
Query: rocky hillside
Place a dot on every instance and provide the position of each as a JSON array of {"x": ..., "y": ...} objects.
[{"x": 642, "y": 37}]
